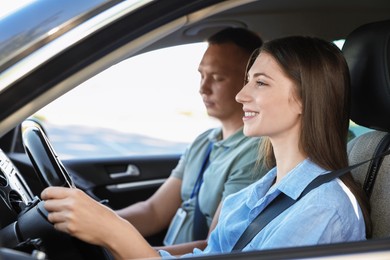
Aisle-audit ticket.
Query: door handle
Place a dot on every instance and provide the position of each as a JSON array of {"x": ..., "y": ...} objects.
[{"x": 131, "y": 171}]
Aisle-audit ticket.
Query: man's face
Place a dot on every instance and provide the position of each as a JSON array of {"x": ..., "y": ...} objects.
[{"x": 222, "y": 71}]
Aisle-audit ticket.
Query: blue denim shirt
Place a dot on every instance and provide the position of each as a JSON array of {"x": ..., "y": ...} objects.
[{"x": 328, "y": 214}]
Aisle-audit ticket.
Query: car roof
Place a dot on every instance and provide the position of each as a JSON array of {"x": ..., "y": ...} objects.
[{"x": 330, "y": 20}]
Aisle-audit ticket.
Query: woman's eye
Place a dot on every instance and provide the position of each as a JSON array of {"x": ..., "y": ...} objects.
[{"x": 260, "y": 83}]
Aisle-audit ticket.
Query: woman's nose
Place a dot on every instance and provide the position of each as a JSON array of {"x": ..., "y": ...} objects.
[{"x": 241, "y": 96}]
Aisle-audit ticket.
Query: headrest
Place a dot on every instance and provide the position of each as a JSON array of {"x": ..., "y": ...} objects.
[{"x": 367, "y": 51}]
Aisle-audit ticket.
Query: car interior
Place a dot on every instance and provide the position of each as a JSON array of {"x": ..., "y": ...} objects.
[{"x": 366, "y": 49}]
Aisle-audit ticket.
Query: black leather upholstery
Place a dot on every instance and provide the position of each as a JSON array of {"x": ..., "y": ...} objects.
[{"x": 367, "y": 51}]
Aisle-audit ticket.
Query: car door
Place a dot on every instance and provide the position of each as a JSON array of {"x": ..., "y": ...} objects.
[{"x": 110, "y": 172}]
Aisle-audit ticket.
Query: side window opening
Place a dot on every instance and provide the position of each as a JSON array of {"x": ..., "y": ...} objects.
[{"x": 146, "y": 105}]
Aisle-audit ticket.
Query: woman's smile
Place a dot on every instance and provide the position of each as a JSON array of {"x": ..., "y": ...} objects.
[{"x": 249, "y": 115}]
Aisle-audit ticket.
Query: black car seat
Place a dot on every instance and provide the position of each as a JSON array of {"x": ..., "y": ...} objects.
[{"x": 367, "y": 51}]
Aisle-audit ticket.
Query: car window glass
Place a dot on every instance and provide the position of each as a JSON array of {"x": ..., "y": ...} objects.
[{"x": 146, "y": 105}]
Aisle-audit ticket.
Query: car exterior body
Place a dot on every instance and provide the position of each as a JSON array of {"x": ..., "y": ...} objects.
[{"x": 48, "y": 48}]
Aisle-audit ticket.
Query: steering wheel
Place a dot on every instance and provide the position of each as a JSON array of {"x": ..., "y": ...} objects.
[
  {"x": 52, "y": 172},
  {"x": 48, "y": 166}
]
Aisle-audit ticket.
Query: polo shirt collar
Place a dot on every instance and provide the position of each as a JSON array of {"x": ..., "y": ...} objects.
[{"x": 232, "y": 141}]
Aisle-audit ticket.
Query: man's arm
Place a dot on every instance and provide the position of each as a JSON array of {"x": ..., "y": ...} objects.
[
  {"x": 155, "y": 214},
  {"x": 215, "y": 219},
  {"x": 184, "y": 248}
]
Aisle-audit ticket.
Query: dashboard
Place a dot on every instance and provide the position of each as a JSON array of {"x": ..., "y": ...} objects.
[{"x": 14, "y": 192}]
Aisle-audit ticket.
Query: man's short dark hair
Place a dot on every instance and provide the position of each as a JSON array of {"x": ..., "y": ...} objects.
[{"x": 243, "y": 38}]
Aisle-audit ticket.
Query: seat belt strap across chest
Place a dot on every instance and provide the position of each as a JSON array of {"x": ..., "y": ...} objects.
[{"x": 200, "y": 228}]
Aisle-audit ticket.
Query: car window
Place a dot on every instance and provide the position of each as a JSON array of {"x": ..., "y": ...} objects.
[{"x": 146, "y": 105}]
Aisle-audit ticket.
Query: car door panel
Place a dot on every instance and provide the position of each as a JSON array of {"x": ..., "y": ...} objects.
[{"x": 121, "y": 181}]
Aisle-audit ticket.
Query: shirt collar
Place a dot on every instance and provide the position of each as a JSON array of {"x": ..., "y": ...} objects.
[
  {"x": 233, "y": 140},
  {"x": 294, "y": 183}
]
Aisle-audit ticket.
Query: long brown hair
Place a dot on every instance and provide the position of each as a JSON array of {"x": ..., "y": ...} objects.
[{"x": 322, "y": 81}]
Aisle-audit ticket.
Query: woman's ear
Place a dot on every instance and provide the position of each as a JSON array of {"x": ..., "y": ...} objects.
[{"x": 297, "y": 104}]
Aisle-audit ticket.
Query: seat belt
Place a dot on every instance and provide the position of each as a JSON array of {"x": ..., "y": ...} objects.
[
  {"x": 200, "y": 228},
  {"x": 375, "y": 165},
  {"x": 282, "y": 202}
]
